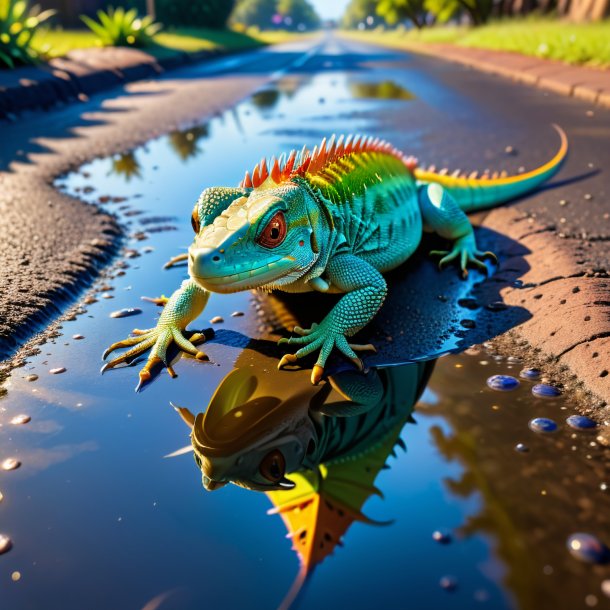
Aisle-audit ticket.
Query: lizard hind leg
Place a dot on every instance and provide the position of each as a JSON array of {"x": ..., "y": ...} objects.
[{"x": 443, "y": 215}]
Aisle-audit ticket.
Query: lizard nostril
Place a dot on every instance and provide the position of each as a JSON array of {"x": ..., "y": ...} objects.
[{"x": 216, "y": 258}]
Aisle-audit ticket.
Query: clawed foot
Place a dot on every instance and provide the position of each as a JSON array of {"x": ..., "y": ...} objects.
[
  {"x": 319, "y": 337},
  {"x": 466, "y": 252},
  {"x": 159, "y": 339}
]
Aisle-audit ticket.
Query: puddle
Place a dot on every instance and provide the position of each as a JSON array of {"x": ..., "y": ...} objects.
[{"x": 99, "y": 518}]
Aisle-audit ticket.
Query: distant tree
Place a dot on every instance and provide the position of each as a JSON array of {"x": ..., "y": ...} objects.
[
  {"x": 257, "y": 13},
  {"x": 588, "y": 10},
  {"x": 442, "y": 10},
  {"x": 394, "y": 11},
  {"x": 298, "y": 14},
  {"x": 361, "y": 12}
]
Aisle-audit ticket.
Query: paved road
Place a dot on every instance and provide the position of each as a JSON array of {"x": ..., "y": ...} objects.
[{"x": 456, "y": 117}]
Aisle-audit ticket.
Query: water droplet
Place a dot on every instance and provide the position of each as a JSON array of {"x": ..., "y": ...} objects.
[
  {"x": 449, "y": 583},
  {"x": 58, "y": 370},
  {"x": 442, "y": 537},
  {"x": 542, "y": 424},
  {"x": 217, "y": 320},
  {"x": 587, "y": 548},
  {"x": 531, "y": 374},
  {"x": 5, "y": 544},
  {"x": 503, "y": 383},
  {"x": 521, "y": 448},
  {"x": 10, "y": 464},
  {"x": 126, "y": 312},
  {"x": 544, "y": 390},
  {"x": 20, "y": 419},
  {"x": 581, "y": 422}
]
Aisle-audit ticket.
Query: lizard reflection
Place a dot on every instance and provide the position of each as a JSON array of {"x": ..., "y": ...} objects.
[
  {"x": 258, "y": 429},
  {"x": 331, "y": 441}
]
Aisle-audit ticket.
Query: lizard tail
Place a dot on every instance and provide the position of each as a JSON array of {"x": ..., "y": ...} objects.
[{"x": 474, "y": 193}]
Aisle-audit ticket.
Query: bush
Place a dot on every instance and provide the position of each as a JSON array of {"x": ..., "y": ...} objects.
[
  {"x": 18, "y": 24},
  {"x": 121, "y": 28}
]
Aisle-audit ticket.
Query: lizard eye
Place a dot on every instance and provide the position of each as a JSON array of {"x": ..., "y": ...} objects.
[
  {"x": 273, "y": 466},
  {"x": 274, "y": 233},
  {"x": 195, "y": 219}
]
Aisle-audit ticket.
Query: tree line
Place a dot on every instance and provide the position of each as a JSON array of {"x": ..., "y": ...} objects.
[{"x": 418, "y": 13}]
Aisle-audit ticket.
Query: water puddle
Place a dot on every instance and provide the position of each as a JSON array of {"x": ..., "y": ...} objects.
[{"x": 103, "y": 507}]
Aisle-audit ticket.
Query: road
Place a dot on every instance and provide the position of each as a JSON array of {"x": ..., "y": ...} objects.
[{"x": 454, "y": 117}]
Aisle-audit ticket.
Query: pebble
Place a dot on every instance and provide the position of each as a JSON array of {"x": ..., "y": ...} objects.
[
  {"x": 449, "y": 583},
  {"x": 563, "y": 202},
  {"x": 521, "y": 448},
  {"x": 58, "y": 370},
  {"x": 542, "y": 424},
  {"x": 89, "y": 300},
  {"x": 10, "y": 464},
  {"x": 107, "y": 295},
  {"x": 15, "y": 576},
  {"x": 544, "y": 390},
  {"x": 441, "y": 537},
  {"x": 126, "y": 312},
  {"x": 588, "y": 196},
  {"x": 5, "y": 544},
  {"x": 21, "y": 419},
  {"x": 581, "y": 422},
  {"x": 78, "y": 337},
  {"x": 509, "y": 150},
  {"x": 31, "y": 377},
  {"x": 588, "y": 548},
  {"x": 217, "y": 320},
  {"x": 468, "y": 323},
  {"x": 531, "y": 374},
  {"x": 496, "y": 306},
  {"x": 503, "y": 383},
  {"x": 237, "y": 314}
]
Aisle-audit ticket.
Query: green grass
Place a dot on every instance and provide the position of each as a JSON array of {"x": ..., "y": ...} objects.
[
  {"x": 55, "y": 43},
  {"x": 582, "y": 43}
]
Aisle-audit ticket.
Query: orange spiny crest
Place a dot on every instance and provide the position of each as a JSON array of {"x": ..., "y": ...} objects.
[{"x": 313, "y": 162}]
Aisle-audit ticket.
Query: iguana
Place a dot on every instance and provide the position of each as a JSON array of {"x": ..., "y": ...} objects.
[{"x": 331, "y": 220}]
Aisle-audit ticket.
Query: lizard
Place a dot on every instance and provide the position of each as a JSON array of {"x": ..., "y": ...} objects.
[{"x": 333, "y": 219}]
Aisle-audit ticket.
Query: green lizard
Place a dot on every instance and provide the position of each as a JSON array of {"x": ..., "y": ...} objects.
[{"x": 331, "y": 220}]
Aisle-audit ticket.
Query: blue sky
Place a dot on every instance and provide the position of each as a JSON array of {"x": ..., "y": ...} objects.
[{"x": 330, "y": 9}]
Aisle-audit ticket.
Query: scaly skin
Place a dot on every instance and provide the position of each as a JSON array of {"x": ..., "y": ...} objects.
[{"x": 331, "y": 220}]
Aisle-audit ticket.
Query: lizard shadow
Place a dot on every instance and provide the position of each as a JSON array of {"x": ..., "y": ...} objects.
[{"x": 427, "y": 312}]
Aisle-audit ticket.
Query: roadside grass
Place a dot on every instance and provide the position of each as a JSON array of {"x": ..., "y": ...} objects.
[
  {"x": 56, "y": 43},
  {"x": 572, "y": 43}
]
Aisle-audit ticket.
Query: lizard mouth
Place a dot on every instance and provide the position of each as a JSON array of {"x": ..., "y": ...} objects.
[{"x": 244, "y": 280}]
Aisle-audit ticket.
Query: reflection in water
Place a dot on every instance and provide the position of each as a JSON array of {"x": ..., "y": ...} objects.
[
  {"x": 185, "y": 142},
  {"x": 385, "y": 90},
  {"x": 126, "y": 165},
  {"x": 332, "y": 441},
  {"x": 265, "y": 99}
]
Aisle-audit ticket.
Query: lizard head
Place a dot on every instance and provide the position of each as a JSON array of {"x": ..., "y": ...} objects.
[{"x": 264, "y": 238}]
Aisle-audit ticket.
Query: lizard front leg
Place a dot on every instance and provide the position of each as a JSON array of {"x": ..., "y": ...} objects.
[
  {"x": 443, "y": 215},
  {"x": 365, "y": 291},
  {"x": 181, "y": 308}
]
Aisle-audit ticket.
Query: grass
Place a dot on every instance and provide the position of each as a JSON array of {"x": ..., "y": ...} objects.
[
  {"x": 55, "y": 43},
  {"x": 581, "y": 44}
]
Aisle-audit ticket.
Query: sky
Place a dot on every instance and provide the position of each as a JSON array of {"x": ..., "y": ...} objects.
[{"x": 330, "y": 9}]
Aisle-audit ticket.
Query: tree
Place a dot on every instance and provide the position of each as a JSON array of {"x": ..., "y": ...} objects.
[
  {"x": 442, "y": 10},
  {"x": 257, "y": 13},
  {"x": 298, "y": 14},
  {"x": 361, "y": 12},
  {"x": 394, "y": 11}
]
